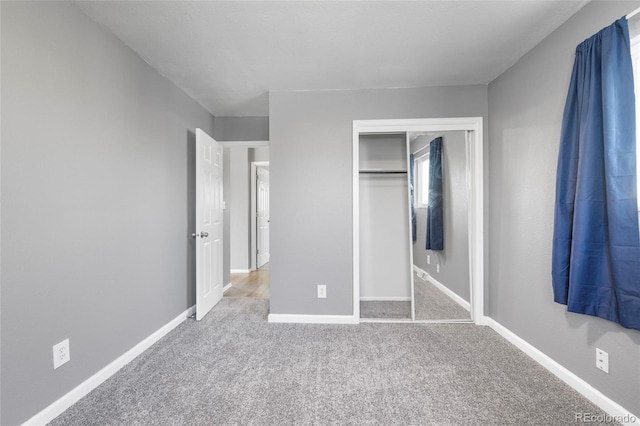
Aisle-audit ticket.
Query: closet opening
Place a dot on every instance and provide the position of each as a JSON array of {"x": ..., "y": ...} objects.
[
  {"x": 386, "y": 283},
  {"x": 397, "y": 277}
]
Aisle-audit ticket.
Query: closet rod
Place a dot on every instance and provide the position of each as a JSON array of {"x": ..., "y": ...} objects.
[{"x": 632, "y": 14}]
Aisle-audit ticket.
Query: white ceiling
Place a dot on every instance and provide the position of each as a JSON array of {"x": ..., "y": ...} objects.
[{"x": 229, "y": 54}]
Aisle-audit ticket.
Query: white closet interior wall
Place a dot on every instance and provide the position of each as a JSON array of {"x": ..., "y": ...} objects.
[{"x": 385, "y": 265}]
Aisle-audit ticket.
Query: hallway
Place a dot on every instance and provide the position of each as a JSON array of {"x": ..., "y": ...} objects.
[{"x": 252, "y": 284}]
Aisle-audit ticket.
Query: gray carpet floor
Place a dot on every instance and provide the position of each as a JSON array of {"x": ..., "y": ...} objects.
[
  {"x": 234, "y": 368},
  {"x": 433, "y": 304},
  {"x": 385, "y": 309}
]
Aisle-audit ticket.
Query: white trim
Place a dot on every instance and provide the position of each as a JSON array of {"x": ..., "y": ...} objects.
[
  {"x": 445, "y": 321},
  {"x": 410, "y": 321},
  {"x": 73, "y": 396},
  {"x": 239, "y": 271},
  {"x": 244, "y": 144},
  {"x": 632, "y": 14},
  {"x": 355, "y": 220},
  {"x": 456, "y": 298},
  {"x": 387, "y": 320},
  {"x": 410, "y": 187},
  {"x": 474, "y": 128},
  {"x": 427, "y": 147},
  {"x": 226, "y": 287},
  {"x": 312, "y": 319},
  {"x": 476, "y": 221},
  {"x": 592, "y": 394},
  {"x": 421, "y": 272},
  {"x": 385, "y": 299},
  {"x": 417, "y": 125},
  {"x": 437, "y": 284}
]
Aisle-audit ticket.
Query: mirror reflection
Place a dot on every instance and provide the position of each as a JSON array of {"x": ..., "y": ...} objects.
[
  {"x": 414, "y": 227},
  {"x": 441, "y": 272}
]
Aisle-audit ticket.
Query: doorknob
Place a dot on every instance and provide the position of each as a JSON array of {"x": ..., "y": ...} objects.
[{"x": 202, "y": 235}]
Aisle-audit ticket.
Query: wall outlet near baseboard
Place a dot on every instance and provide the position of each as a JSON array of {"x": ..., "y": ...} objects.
[
  {"x": 602, "y": 360},
  {"x": 438, "y": 268},
  {"x": 322, "y": 291},
  {"x": 61, "y": 353},
  {"x": 428, "y": 259}
]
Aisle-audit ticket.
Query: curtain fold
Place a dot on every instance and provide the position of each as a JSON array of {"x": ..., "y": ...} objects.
[
  {"x": 413, "y": 198},
  {"x": 435, "y": 228},
  {"x": 596, "y": 244}
]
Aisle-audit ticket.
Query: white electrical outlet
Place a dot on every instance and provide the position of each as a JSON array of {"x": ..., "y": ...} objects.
[
  {"x": 322, "y": 291},
  {"x": 61, "y": 353},
  {"x": 602, "y": 360},
  {"x": 438, "y": 268},
  {"x": 428, "y": 259}
]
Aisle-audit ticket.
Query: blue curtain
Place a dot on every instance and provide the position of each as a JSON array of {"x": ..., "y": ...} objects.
[
  {"x": 413, "y": 197},
  {"x": 435, "y": 231},
  {"x": 596, "y": 247}
]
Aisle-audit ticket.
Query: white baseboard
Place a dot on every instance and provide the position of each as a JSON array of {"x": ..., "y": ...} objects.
[
  {"x": 386, "y": 320},
  {"x": 385, "y": 299},
  {"x": 459, "y": 300},
  {"x": 592, "y": 394},
  {"x": 226, "y": 287},
  {"x": 239, "y": 271},
  {"x": 59, "y": 406},
  {"x": 313, "y": 319}
]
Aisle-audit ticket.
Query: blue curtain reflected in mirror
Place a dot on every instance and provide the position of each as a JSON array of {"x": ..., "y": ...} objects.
[{"x": 435, "y": 229}]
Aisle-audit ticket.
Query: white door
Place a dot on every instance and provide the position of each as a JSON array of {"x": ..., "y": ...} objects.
[
  {"x": 208, "y": 233},
  {"x": 263, "y": 216}
]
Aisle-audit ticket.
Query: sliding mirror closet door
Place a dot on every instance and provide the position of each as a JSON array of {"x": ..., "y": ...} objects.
[
  {"x": 385, "y": 245},
  {"x": 441, "y": 276}
]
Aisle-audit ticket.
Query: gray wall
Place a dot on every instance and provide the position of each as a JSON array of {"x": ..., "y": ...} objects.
[
  {"x": 241, "y": 129},
  {"x": 97, "y": 180},
  {"x": 311, "y": 183},
  {"x": 259, "y": 154},
  {"x": 526, "y": 105},
  {"x": 454, "y": 259}
]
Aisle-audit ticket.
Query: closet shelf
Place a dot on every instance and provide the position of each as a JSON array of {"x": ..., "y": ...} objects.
[{"x": 382, "y": 171}]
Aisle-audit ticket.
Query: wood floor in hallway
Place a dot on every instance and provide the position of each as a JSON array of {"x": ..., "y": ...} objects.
[{"x": 252, "y": 284}]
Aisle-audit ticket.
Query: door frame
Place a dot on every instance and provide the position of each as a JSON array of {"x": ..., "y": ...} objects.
[
  {"x": 474, "y": 128},
  {"x": 254, "y": 212}
]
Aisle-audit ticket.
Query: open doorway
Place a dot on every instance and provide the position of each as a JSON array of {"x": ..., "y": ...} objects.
[{"x": 247, "y": 206}]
